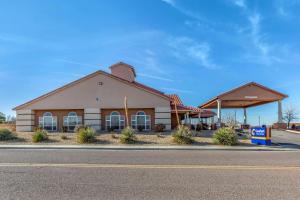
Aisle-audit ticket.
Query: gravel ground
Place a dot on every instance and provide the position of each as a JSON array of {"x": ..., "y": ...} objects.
[{"x": 201, "y": 138}]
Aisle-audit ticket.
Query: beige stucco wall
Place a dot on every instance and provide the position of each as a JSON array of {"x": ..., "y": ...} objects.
[
  {"x": 25, "y": 120},
  {"x": 92, "y": 118},
  {"x": 110, "y": 95},
  {"x": 163, "y": 116}
]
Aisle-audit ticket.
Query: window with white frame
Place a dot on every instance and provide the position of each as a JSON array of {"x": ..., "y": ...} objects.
[
  {"x": 72, "y": 120},
  {"x": 115, "y": 121},
  {"x": 48, "y": 122},
  {"x": 141, "y": 121}
]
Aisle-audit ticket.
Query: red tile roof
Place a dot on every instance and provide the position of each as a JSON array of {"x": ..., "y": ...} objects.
[
  {"x": 175, "y": 99},
  {"x": 182, "y": 108}
]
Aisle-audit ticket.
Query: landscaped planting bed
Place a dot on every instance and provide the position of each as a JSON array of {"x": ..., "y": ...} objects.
[{"x": 105, "y": 138}]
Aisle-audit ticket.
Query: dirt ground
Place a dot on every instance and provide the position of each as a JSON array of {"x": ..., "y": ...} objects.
[{"x": 200, "y": 138}]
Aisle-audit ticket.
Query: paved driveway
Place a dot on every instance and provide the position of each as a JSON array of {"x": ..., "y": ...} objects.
[{"x": 286, "y": 139}]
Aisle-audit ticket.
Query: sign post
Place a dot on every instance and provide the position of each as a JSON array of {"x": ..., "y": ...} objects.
[{"x": 261, "y": 135}]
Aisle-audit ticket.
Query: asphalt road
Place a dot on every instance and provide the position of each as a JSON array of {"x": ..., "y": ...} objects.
[
  {"x": 96, "y": 174},
  {"x": 286, "y": 139}
]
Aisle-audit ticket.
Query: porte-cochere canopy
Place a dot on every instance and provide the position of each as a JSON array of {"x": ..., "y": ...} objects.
[
  {"x": 245, "y": 96},
  {"x": 249, "y": 95}
]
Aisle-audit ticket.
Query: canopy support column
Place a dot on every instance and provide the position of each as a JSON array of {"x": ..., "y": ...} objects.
[
  {"x": 245, "y": 116},
  {"x": 280, "y": 112},
  {"x": 219, "y": 102}
]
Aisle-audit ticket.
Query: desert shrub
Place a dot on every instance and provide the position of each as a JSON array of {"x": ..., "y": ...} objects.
[
  {"x": 159, "y": 135},
  {"x": 183, "y": 135},
  {"x": 114, "y": 136},
  {"x": 65, "y": 129},
  {"x": 110, "y": 129},
  {"x": 86, "y": 135},
  {"x": 225, "y": 136},
  {"x": 127, "y": 136},
  {"x": 6, "y": 134},
  {"x": 63, "y": 137},
  {"x": 79, "y": 127},
  {"x": 39, "y": 135},
  {"x": 159, "y": 128},
  {"x": 204, "y": 126}
]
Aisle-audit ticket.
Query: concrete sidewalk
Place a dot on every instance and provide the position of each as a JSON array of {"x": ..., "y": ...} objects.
[{"x": 149, "y": 147}]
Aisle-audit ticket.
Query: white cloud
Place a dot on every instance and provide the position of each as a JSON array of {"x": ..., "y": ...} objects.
[
  {"x": 240, "y": 3},
  {"x": 255, "y": 21},
  {"x": 187, "y": 49},
  {"x": 177, "y": 90},
  {"x": 75, "y": 63},
  {"x": 171, "y": 2},
  {"x": 155, "y": 77},
  {"x": 281, "y": 11}
]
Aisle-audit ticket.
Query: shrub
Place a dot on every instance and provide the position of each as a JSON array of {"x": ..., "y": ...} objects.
[
  {"x": 6, "y": 134},
  {"x": 159, "y": 135},
  {"x": 114, "y": 136},
  {"x": 159, "y": 128},
  {"x": 225, "y": 136},
  {"x": 127, "y": 136},
  {"x": 79, "y": 127},
  {"x": 110, "y": 129},
  {"x": 63, "y": 137},
  {"x": 183, "y": 135},
  {"x": 65, "y": 129},
  {"x": 39, "y": 136},
  {"x": 86, "y": 135}
]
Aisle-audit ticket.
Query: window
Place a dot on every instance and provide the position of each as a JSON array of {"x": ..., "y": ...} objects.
[
  {"x": 71, "y": 121},
  {"x": 115, "y": 121},
  {"x": 141, "y": 121},
  {"x": 48, "y": 122}
]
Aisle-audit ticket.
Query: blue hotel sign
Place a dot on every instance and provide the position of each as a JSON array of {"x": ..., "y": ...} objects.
[{"x": 261, "y": 135}]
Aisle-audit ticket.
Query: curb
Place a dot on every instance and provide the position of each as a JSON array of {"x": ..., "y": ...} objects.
[
  {"x": 291, "y": 131},
  {"x": 145, "y": 148}
]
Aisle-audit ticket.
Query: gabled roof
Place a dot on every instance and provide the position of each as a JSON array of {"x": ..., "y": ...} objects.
[
  {"x": 175, "y": 99},
  {"x": 245, "y": 101},
  {"x": 133, "y": 84}
]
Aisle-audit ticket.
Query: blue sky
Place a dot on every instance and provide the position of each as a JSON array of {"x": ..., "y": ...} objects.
[{"x": 196, "y": 49}]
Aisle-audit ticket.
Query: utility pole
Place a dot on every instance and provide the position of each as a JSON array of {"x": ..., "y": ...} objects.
[{"x": 259, "y": 120}]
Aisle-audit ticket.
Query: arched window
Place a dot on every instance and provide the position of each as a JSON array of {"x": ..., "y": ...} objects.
[
  {"x": 48, "y": 122},
  {"x": 47, "y": 114},
  {"x": 72, "y": 114},
  {"x": 141, "y": 121},
  {"x": 114, "y": 113},
  {"x": 71, "y": 121},
  {"x": 115, "y": 121},
  {"x": 140, "y": 113}
]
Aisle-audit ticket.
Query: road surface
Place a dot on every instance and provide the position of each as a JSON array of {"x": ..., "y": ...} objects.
[
  {"x": 286, "y": 139},
  {"x": 98, "y": 174}
]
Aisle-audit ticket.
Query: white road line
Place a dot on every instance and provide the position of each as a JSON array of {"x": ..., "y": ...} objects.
[{"x": 145, "y": 166}]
